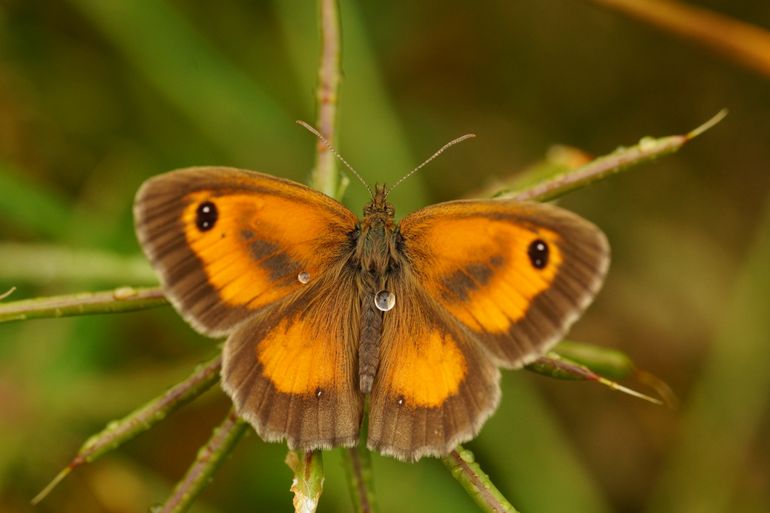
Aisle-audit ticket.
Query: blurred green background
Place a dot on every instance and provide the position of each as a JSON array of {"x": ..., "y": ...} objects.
[{"x": 97, "y": 96}]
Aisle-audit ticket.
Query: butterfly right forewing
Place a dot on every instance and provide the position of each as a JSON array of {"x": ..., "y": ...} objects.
[{"x": 517, "y": 275}]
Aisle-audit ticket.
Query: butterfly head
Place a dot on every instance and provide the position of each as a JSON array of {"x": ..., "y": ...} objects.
[{"x": 379, "y": 209}]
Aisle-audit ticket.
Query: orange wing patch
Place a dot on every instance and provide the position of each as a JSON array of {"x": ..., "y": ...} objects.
[
  {"x": 297, "y": 358},
  {"x": 482, "y": 272},
  {"x": 435, "y": 385},
  {"x": 430, "y": 368},
  {"x": 259, "y": 245},
  {"x": 291, "y": 368},
  {"x": 477, "y": 264}
]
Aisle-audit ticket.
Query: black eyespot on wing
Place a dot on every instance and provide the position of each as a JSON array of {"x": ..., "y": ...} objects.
[
  {"x": 206, "y": 216},
  {"x": 538, "y": 253}
]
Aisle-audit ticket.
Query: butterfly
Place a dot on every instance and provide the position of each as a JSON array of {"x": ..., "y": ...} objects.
[{"x": 326, "y": 315}]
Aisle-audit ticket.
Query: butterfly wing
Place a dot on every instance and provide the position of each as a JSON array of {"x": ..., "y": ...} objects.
[
  {"x": 228, "y": 242},
  {"x": 291, "y": 370},
  {"x": 435, "y": 385},
  {"x": 517, "y": 275}
]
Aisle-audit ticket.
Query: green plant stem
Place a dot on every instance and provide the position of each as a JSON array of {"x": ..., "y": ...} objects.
[
  {"x": 325, "y": 177},
  {"x": 358, "y": 469},
  {"x": 123, "y": 299},
  {"x": 554, "y": 366},
  {"x": 476, "y": 482},
  {"x": 118, "y": 432},
  {"x": 239, "y": 112},
  {"x": 647, "y": 149},
  {"x": 308, "y": 479},
  {"x": 208, "y": 460}
]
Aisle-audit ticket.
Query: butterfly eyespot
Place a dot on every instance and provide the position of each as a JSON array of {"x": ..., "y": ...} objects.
[
  {"x": 538, "y": 253},
  {"x": 318, "y": 392},
  {"x": 206, "y": 216},
  {"x": 384, "y": 300},
  {"x": 303, "y": 277},
  {"x": 400, "y": 401}
]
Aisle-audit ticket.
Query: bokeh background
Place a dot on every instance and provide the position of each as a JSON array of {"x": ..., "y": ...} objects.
[{"x": 97, "y": 96}]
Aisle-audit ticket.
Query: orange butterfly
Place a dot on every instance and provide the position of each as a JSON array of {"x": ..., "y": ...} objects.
[{"x": 322, "y": 309}]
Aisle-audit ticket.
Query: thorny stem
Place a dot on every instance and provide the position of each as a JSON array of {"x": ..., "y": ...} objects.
[
  {"x": 118, "y": 432},
  {"x": 647, "y": 149},
  {"x": 324, "y": 176},
  {"x": 123, "y": 299},
  {"x": 476, "y": 482},
  {"x": 206, "y": 463}
]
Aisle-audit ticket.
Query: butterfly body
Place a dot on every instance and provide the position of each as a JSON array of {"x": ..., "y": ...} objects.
[
  {"x": 375, "y": 257},
  {"x": 322, "y": 309}
]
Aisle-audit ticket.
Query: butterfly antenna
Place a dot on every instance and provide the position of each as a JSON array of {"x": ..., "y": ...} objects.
[
  {"x": 439, "y": 152},
  {"x": 335, "y": 153}
]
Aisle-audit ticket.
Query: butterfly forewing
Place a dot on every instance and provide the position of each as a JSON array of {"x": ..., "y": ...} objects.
[
  {"x": 517, "y": 275},
  {"x": 227, "y": 242}
]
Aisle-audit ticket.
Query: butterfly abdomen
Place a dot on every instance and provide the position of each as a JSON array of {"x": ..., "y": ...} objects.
[
  {"x": 373, "y": 256},
  {"x": 369, "y": 342}
]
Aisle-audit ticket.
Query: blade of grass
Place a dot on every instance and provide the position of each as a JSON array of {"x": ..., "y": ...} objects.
[
  {"x": 534, "y": 442},
  {"x": 741, "y": 42},
  {"x": 42, "y": 264},
  {"x": 169, "y": 54},
  {"x": 725, "y": 413},
  {"x": 29, "y": 206}
]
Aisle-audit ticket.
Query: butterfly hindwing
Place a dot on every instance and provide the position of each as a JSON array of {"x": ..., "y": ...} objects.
[
  {"x": 228, "y": 242},
  {"x": 291, "y": 370},
  {"x": 515, "y": 274},
  {"x": 435, "y": 385}
]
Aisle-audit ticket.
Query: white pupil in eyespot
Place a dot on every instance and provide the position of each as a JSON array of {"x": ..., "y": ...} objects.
[{"x": 384, "y": 300}]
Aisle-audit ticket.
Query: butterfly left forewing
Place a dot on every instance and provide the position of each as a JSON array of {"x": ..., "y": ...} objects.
[
  {"x": 435, "y": 385},
  {"x": 228, "y": 242},
  {"x": 517, "y": 275}
]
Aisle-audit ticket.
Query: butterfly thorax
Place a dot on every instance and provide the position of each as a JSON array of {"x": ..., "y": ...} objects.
[
  {"x": 375, "y": 257},
  {"x": 375, "y": 247}
]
